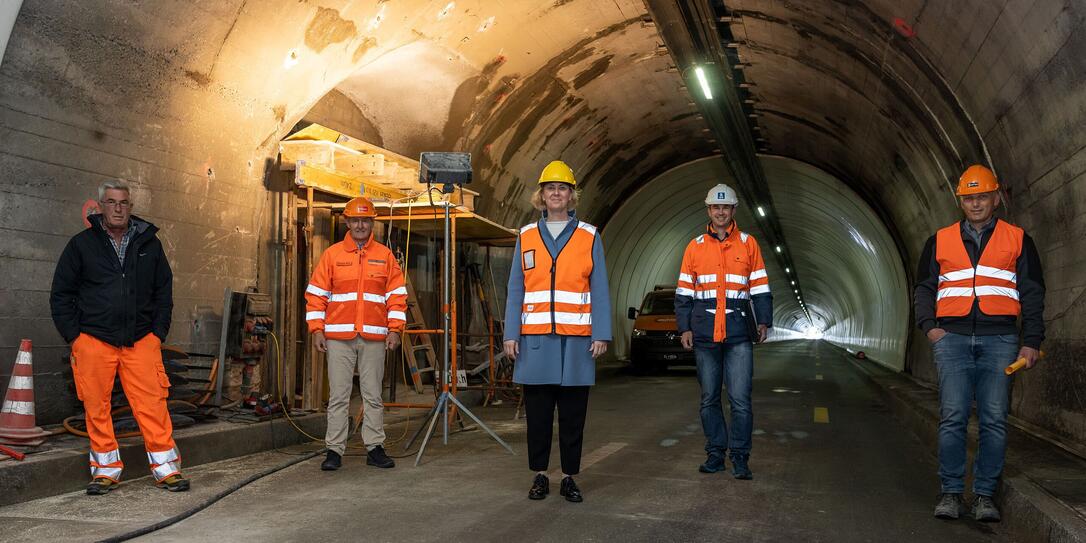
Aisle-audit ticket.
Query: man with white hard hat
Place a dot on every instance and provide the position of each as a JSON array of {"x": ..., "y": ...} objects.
[{"x": 721, "y": 281}]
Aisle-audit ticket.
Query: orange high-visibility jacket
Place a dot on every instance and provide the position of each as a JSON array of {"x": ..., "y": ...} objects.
[
  {"x": 715, "y": 272},
  {"x": 356, "y": 291},
  {"x": 557, "y": 297},
  {"x": 994, "y": 281}
]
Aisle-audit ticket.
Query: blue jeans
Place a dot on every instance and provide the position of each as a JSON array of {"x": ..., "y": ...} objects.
[
  {"x": 971, "y": 367},
  {"x": 731, "y": 365}
]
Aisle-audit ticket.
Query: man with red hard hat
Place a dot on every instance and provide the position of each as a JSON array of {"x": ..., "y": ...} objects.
[
  {"x": 355, "y": 305},
  {"x": 975, "y": 279}
]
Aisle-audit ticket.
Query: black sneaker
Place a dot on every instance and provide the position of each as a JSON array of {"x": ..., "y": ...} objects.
[
  {"x": 332, "y": 461},
  {"x": 984, "y": 509},
  {"x": 740, "y": 470},
  {"x": 570, "y": 491},
  {"x": 713, "y": 464},
  {"x": 949, "y": 506},
  {"x": 377, "y": 457},
  {"x": 541, "y": 486}
]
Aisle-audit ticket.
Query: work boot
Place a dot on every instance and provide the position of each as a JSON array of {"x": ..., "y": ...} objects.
[
  {"x": 332, "y": 461},
  {"x": 101, "y": 485},
  {"x": 984, "y": 509},
  {"x": 174, "y": 483},
  {"x": 570, "y": 491},
  {"x": 949, "y": 506},
  {"x": 377, "y": 457},
  {"x": 541, "y": 486},
  {"x": 740, "y": 470},
  {"x": 713, "y": 464}
]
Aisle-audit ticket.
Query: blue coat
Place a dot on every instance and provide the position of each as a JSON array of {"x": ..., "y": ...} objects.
[{"x": 554, "y": 359}]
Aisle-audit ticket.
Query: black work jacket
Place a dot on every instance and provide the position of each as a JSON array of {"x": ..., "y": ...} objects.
[
  {"x": 93, "y": 294},
  {"x": 1031, "y": 295}
]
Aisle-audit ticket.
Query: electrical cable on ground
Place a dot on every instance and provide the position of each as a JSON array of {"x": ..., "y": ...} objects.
[{"x": 207, "y": 502}]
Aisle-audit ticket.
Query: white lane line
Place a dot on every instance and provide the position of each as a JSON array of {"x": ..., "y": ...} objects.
[{"x": 592, "y": 457}]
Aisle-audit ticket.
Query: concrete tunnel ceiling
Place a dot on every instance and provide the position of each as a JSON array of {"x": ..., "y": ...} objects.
[{"x": 849, "y": 272}]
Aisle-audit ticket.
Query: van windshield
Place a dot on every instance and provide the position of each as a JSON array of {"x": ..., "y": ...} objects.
[{"x": 659, "y": 303}]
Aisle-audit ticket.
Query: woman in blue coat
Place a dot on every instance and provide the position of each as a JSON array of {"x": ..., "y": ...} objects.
[{"x": 557, "y": 322}]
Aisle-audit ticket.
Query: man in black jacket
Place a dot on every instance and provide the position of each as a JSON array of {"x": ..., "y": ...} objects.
[
  {"x": 111, "y": 301},
  {"x": 975, "y": 279}
]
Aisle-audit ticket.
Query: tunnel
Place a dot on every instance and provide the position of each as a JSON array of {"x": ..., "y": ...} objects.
[{"x": 843, "y": 125}]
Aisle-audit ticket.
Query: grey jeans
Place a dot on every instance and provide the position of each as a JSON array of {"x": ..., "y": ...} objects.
[{"x": 344, "y": 357}]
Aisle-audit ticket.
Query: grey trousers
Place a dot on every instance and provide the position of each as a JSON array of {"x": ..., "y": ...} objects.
[{"x": 344, "y": 357}]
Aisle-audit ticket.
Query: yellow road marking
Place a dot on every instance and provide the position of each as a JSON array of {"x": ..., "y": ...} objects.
[{"x": 822, "y": 415}]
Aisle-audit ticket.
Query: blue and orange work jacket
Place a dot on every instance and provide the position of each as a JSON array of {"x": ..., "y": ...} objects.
[{"x": 720, "y": 281}]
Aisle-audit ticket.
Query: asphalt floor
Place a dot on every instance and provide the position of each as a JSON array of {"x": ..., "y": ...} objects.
[{"x": 830, "y": 464}]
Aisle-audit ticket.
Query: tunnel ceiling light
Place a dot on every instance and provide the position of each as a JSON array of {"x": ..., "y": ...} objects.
[
  {"x": 788, "y": 270},
  {"x": 761, "y": 211},
  {"x": 793, "y": 281},
  {"x": 699, "y": 72},
  {"x": 778, "y": 249},
  {"x": 796, "y": 290}
]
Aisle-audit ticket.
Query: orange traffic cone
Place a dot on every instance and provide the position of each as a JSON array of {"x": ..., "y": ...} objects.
[{"x": 17, "y": 426}]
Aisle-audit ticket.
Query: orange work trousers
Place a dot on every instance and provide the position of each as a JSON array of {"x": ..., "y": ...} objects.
[{"x": 95, "y": 364}]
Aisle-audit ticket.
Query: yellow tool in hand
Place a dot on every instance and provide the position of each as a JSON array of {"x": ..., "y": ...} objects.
[{"x": 1020, "y": 363}]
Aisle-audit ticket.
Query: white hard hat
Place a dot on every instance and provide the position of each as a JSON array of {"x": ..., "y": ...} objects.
[{"x": 721, "y": 194}]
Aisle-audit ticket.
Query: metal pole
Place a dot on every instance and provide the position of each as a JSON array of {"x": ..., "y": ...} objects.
[{"x": 448, "y": 339}]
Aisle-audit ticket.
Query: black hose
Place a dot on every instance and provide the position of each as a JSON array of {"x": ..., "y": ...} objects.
[{"x": 208, "y": 502}]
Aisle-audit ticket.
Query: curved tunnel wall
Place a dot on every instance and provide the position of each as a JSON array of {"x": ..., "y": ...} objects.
[
  {"x": 848, "y": 269},
  {"x": 187, "y": 100}
]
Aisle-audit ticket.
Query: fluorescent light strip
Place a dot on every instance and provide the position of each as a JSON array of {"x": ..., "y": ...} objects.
[{"x": 700, "y": 73}]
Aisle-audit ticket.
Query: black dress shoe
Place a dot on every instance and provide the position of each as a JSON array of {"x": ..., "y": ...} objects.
[
  {"x": 332, "y": 461},
  {"x": 541, "y": 486},
  {"x": 570, "y": 491}
]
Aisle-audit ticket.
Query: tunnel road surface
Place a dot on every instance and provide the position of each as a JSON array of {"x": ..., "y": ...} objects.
[{"x": 830, "y": 464}]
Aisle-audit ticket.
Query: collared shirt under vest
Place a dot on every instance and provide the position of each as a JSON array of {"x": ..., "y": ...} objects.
[
  {"x": 557, "y": 294},
  {"x": 993, "y": 282}
]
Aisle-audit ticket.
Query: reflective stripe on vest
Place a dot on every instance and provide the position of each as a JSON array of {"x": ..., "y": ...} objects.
[
  {"x": 994, "y": 281},
  {"x": 557, "y": 297}
]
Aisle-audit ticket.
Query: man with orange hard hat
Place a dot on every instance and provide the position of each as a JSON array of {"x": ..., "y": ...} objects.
[
  {"x": 975, "y": 279},
  {"x": 355, "y": 305}
]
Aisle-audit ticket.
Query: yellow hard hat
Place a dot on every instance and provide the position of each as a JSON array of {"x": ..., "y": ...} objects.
[{"x": 557, "y": 172}]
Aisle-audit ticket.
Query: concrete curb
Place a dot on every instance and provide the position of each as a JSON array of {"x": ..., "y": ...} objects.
[
  {"x": 1029, "y": 512},
  {"x": 65, "y": 470}
]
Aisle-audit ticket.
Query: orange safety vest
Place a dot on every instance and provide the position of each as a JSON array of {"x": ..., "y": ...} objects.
[
  {"x": 719, "y": 271},
  {"x": 557, "y": 298},
  {"x": 994, "y": 281},
  {"x": 356, "y": 292}
]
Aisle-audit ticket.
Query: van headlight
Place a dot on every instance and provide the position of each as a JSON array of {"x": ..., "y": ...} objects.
[{"x": 638, "y": 333}]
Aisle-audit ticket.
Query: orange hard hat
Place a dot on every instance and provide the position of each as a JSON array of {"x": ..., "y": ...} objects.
[
  {"x": 360, "y": 207},
  {"x": 976, "y": 180}
]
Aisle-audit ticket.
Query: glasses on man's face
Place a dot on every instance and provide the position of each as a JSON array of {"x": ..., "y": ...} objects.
[{"x": 123, "y": 204}]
